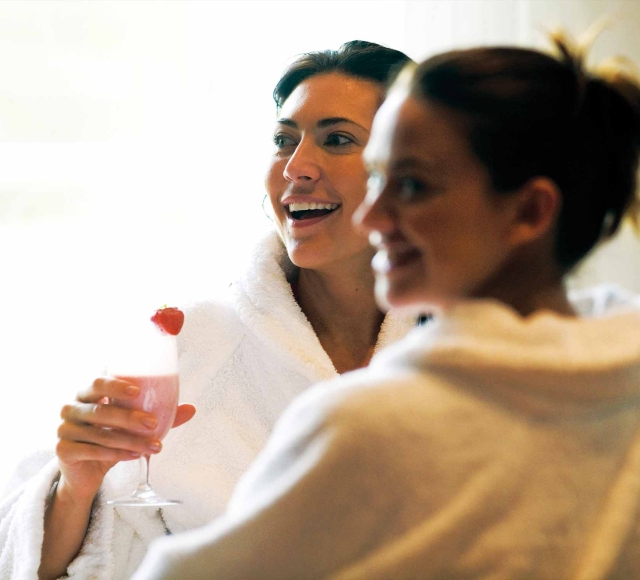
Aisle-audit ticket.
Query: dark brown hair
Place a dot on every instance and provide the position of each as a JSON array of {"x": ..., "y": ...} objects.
[
  {"x": 357, "y": 58},
  {"x": 528, "y": 114}
]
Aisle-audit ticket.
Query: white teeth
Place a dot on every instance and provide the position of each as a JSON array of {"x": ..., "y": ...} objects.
[{"x": 306, "y": 206}]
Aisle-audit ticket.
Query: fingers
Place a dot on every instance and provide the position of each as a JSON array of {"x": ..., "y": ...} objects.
[
  {"x": 93, "y": 430},
  {"x": 108, "y": 387},
  {"x": 107, "y": 438},
  {"x": 70, "y": 452},
  {"x": 184, "y": 413},
  {"x": 111, "y": 416}
]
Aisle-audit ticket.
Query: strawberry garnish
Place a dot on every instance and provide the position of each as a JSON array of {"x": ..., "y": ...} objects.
[{"x": 169, "y": 320}]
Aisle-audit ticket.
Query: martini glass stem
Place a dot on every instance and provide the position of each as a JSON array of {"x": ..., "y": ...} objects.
[{"x": 144, "y": 474}]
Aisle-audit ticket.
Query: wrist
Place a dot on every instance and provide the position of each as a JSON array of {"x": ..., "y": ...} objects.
[{"x": 67, "y": 495}]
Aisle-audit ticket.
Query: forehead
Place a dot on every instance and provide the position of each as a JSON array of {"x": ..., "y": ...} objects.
[
  {"x": 333, "y": 95},
  {"x": 407, "y": 126}
]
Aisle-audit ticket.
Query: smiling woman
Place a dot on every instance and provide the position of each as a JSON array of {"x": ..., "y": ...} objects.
[
  {"x": 303, "y": 311},
  {"x": 326, "y": 103},
  {"x": 322, "y": 131},
  {"x": 451, "y": 241}
]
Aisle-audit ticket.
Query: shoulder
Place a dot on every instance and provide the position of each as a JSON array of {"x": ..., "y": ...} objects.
[
  {"x": 211, "y": 333},
  {"x": 207, "y": 320}
]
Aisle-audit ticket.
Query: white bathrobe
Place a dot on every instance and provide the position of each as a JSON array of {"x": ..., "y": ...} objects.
[
  {"x": 241, "y": 364},
  {"x": 483, "y": 445}
]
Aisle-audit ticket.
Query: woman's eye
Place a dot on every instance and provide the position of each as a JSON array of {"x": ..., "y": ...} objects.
[
  {"x": 281, "y": 141},
  {"x": 411, "y": 188},
  {"x": 337, "y": 140}
]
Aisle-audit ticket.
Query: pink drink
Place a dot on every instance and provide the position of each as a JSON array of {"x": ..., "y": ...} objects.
[{"x": 158, "y": 395}]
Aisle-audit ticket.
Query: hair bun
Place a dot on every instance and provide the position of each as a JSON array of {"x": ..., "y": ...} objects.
[{"x": 607, "y": 106}]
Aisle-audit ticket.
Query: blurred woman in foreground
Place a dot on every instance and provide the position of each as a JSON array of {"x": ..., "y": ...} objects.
[{"x": 502, "y": 441}]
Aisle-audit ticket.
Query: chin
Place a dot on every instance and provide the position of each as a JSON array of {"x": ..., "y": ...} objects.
[
  {"x": 320, "y": 254},
  {"x": 310, "y": 260},
  {"x": 304, "y": 255}
]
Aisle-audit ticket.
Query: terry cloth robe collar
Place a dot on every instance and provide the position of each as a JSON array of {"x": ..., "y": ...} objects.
[{"x": 280, "y": 324}]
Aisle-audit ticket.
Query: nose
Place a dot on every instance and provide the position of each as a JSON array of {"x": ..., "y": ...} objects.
[{"x": 303, "y": 165}]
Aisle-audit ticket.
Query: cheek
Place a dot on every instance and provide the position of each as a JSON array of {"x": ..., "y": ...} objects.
[
  {"x": 462, "y": 255},
  {"x": 448, "y": 248}
]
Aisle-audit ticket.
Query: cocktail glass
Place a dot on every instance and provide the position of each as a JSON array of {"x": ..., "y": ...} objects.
[{"x": 148, "y": 358}]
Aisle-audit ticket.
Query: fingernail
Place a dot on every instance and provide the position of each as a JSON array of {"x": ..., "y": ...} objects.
[
  {"x": 134, "y": 454},
  {"x": 154, "y": 445},
  {"x": 149, "y": 422},
  {"x": 132, "y": 390}
]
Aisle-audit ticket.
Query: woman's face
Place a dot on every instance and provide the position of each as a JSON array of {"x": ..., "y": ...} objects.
[
  {"x": 317, "y": 177},
  {"x": 440, "y": 231}
]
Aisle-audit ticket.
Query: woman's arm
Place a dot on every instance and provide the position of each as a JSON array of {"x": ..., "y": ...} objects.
[{"x": 66, "y": 521}]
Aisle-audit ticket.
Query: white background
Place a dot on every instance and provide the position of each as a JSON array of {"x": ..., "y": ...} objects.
[{"x": 133, "y": 139}]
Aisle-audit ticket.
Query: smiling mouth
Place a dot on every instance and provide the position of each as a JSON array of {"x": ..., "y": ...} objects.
[{"x": 305, "y": 211}]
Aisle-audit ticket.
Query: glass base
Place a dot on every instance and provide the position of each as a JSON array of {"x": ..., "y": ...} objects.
[{"x": 144, "y": 496}]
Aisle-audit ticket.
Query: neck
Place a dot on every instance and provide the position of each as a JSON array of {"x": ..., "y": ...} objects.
[
  {"x": 528, "y": 287},
  {"x": 339, "y": 303}
]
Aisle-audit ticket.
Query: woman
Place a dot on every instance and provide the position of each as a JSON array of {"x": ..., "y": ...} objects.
[
  {"x": 502, "y": 441},
  {"x": 303, "y": 312}
]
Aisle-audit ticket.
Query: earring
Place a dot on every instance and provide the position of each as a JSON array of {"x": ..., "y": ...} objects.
[{"x": 264, "y": 210}]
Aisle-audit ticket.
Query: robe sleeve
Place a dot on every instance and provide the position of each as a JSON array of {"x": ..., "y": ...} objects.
[{"x": 311, "y": 503}]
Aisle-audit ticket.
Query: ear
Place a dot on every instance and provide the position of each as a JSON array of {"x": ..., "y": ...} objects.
[{"x": 536, "y": 208}]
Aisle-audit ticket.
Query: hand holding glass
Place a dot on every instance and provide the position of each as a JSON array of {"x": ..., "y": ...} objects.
[{"x": 148, "y": 358}]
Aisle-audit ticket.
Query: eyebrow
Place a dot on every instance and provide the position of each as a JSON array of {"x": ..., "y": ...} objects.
[
  {"x": 405, "y": 163},
  {"x": 323, "y": 123},
  {"x": 288, "y": 122},
  {"x": 414, "y": 162}
]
